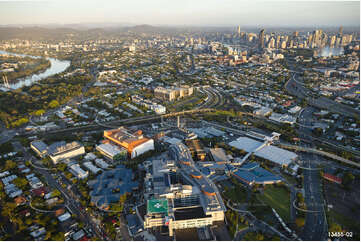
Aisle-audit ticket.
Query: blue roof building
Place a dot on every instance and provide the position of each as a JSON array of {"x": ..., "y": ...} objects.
[
  {"x": 110, "y": 185},
  {"x": 252, "y": 173}
]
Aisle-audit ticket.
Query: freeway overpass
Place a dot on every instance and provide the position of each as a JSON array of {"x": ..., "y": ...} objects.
[
  {"x": 124, "y": 121},
  {"x": 297, "y": 89}
]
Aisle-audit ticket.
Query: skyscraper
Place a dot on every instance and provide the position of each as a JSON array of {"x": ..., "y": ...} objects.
[
  {"x": 332, "y": 40},
  {"x": 239, "y": 31},
  {"x": 278, "y": 41},
  {"x": 261, "y": 39},
  {"x": 340, "y": 31}
]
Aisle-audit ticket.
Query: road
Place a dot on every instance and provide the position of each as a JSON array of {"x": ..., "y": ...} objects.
[
  {"x": 214, "y": 98},
  {"x": 258, "y": 224},
  {"x": 7, "y": 135},
  {"x": 71, "y": 202},
  {"x": 297, "y": 89},
  {"x": 120, "y": 122},
  {"x": 315, "y": 225}
]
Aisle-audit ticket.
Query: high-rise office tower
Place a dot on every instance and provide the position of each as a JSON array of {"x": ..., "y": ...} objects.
[
  {"x": 283, "y": 45},
  {"x": 340, "y": 31},
  {"x": 309, "y": 40},
  {"x": 338, "y": 42},
  {"x": 291, "y": 43},
  {"x": 278, "y": 41},
  {"x": 332, "y": 40},
  {"x": 239, "y": 31},
  {"x": 271, "y": 43},
  {"x": 344, "y": 40},
  {"x": 267, "y": 38},
  {"x": 261, "y": 39}
]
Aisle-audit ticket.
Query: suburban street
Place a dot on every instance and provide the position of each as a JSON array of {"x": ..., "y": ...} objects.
[{"x": 71, "y": 202}]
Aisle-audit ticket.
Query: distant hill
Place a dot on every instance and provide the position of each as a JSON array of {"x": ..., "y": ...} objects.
[{"x": 34, "y": 33}]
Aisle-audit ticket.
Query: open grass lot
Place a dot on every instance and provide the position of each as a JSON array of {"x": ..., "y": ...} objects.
[
  {"x": 237, "y": 194},
  {"x": 277, "y": 198},
  {"x": 347, "y": 224},
  {"x": 345, "y": 209}
]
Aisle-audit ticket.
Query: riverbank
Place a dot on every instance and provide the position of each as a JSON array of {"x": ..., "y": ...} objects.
[
  {"x": 56, "y": 66},
  {"x": 25, "y": 66}
]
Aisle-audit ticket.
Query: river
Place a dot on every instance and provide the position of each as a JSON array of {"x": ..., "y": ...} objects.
[{"x": 56, "y": 67}]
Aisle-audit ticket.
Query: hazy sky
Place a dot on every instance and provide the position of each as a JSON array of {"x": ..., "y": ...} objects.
[{"x": 183, "y": 12}]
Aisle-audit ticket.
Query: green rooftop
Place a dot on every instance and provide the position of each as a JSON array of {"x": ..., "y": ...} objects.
[{"x": 157, "y": 206}]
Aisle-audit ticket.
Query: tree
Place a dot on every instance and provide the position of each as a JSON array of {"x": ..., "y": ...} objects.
[
  {"x": 300, "y": 222},
  {"x": 9, "y": 164},
  {"x": 39, "y": 112},
  {"x": 58, "y": 236},
  {"x": 347, "y": 179},
  {"x": 334, "y": 227},
  {"x": 61, "y": 167},
  {"x": 53, "y": 104},
  {"x": 20, "y": 183},
  {"x": 56, "y": 193}
]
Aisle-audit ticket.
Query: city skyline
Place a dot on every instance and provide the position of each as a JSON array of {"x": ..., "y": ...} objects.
[{"x": 185, "y": 13}]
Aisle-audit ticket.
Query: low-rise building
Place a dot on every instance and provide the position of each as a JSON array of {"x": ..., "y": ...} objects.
[
  {"x": 172, "y": 93},
  {"x": 66, "y": 151},
  {"x": 263, "y": 111},
  {"x": 135, "y": 143},
  {"x": 77, "y": 171},
  {"x": 219, "y": 155},
  {"x": 39, "y": 147},
  {"x": 112, "y": 152},
  {"x": 91, "y": 167}
]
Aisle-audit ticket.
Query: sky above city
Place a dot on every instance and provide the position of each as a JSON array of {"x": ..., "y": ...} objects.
[{"x": 182, "y": 12}]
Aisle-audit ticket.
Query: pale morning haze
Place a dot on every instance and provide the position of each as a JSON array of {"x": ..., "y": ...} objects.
[{"x": 186, "y": 12}]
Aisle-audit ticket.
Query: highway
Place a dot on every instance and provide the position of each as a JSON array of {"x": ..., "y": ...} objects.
[
  {"x": 297, "y": 89},
  {"x": 214, "y": 100},
  {"x": 120, "y": 122}
]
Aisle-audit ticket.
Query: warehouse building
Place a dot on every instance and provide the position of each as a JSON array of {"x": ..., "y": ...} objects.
[{"x": 135, "y": 143}]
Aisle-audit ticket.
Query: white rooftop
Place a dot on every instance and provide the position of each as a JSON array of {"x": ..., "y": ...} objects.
[
  {"x": 269, "y": 152},
  {"x": 109, "y": 149}
]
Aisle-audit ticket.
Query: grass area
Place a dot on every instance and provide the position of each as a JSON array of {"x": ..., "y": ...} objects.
[
  {"x": 237, "y": 194},
  {"x": 345, "y": 222},
  {"x": 263, "y": 213},
  {"x": 279, "y": 199},
  {"x": 289, "y": 179}
]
